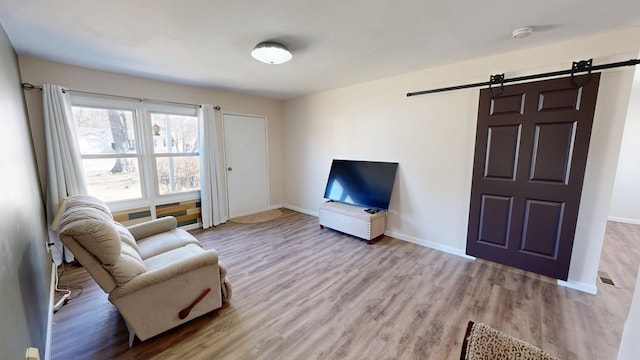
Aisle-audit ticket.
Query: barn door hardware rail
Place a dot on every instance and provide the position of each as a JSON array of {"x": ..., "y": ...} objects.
[{"x": 499, "y": 79}]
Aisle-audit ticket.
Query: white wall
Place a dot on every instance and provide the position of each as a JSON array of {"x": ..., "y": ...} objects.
[
  {"x": 38, "y": 71},
  {"x": 625, "y": 204},
  {"x": 629, "y": 345},
  {"x": 25, "y": 265},
  {"x": 433, "y": 137}
]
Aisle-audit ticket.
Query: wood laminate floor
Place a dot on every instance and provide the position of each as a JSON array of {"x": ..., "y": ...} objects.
[{"x": 305, "y": 293}]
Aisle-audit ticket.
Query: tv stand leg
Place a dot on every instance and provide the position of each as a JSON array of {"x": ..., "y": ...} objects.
[{"x": 370, "y": 242}]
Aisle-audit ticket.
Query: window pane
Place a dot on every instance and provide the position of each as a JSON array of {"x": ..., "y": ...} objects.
[
  {"x": 109, "y": 185},
  {"x": 104, "y": 131},
  {"x": 174, "y": 133},
  {"x": 178, "y": 174}
]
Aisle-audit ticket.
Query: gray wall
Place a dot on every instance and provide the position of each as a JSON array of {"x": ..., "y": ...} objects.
[{"x": 25, "y": 265}]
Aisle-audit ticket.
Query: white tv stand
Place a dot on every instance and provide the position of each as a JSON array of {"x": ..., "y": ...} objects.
[{"x": 352, "y": 220}]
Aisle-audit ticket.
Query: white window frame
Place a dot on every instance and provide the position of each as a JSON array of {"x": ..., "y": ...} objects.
[{"x": 144, "y": 144}]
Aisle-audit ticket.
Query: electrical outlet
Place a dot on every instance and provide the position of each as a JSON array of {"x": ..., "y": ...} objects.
[{"x": 32, "y": 354}]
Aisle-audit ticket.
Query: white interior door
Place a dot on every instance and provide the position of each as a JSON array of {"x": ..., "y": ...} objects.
[{"x": 245, "y": 143}]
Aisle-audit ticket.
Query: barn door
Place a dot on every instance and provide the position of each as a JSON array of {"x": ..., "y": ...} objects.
[{"x": 530, "y": 157}]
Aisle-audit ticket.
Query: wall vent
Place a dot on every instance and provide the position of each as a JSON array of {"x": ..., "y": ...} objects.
[{"x": 605, "y": 278}]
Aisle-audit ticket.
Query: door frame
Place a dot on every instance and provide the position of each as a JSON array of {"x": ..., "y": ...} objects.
[{"x": 224, "y": 155}]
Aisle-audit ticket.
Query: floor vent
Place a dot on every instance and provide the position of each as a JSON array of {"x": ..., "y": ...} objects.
[{"x": 605, "y": 278}]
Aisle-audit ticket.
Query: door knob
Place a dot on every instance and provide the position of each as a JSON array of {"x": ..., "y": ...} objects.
[{"x": 229, "y": 168}]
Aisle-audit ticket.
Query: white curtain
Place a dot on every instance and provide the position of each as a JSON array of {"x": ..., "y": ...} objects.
[
  {"x": 213, "y": 205},
  {"x": 64, "y": 166}
]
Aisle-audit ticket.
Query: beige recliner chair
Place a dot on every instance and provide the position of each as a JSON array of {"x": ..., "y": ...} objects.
[{"x": 157, "y": 276}]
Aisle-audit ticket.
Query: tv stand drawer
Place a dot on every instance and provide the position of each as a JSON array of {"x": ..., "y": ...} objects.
[{"x": 352, "y": 220}]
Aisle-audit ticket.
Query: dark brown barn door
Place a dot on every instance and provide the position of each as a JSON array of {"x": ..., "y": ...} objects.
[{"x": 530, "y": 156}]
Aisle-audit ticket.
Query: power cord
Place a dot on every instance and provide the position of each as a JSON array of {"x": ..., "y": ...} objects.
[
  {"x": 71, "y": 287},
  {"x": 66, "y": 298},
  {"x": 63, "y": 299}
]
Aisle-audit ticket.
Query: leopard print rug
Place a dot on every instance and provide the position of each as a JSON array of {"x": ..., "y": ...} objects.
[{"x": 484, "y": 343}]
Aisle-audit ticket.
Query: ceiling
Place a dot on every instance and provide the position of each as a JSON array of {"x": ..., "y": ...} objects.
[{"x": 335, "y": 42}]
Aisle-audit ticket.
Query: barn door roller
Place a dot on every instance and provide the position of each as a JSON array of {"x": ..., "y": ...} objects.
[
  {"x": 499, "y": 79},
  {"x": 496, "y": 79},
  {"x": 580, "y": 66}
]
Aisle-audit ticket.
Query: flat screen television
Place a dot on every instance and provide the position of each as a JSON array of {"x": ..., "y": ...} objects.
[{"x": 363, "y": 183}]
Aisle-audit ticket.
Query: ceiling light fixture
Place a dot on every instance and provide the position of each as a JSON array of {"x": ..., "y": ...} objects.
[
  {"x": 522, "y": 32},
  {"x": 270, "y": 52}
]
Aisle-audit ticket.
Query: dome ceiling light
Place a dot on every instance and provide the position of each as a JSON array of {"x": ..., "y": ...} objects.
[
  {"x": 270, "y": 52},
  {"x": 522, "y": 32}
]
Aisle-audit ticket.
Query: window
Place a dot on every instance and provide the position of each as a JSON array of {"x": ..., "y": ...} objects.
[
  {"x": 107, "y": 142},
  {"x": 176, "y": 156},
  {"x": 135, "y": 152}
]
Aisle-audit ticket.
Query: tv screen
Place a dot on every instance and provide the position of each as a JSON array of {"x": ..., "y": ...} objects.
[{"x": 362, "y": 183}]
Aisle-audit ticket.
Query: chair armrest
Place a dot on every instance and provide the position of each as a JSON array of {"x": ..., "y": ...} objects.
[
  {"x": 165, "y": 273},
  {"x": 152, "y": 227}
]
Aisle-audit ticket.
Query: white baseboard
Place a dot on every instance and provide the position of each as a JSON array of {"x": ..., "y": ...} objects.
[
  {"x": 624, "y": 220},
  {"x": 276, "y": 206},
  {"x": 191, "y": 226},
  {"x": 252, "y": 212},
  {"x": 301, "y": 210},
  {"x": 49, "y": 330},
  {"x": 429, "y": 244},
  {"x": 584, "y": 287}
]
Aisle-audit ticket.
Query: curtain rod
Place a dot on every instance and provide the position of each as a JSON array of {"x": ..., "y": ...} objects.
[
  {"x": 28, "y": 86},
  {"x": 578, "y": 67}
]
